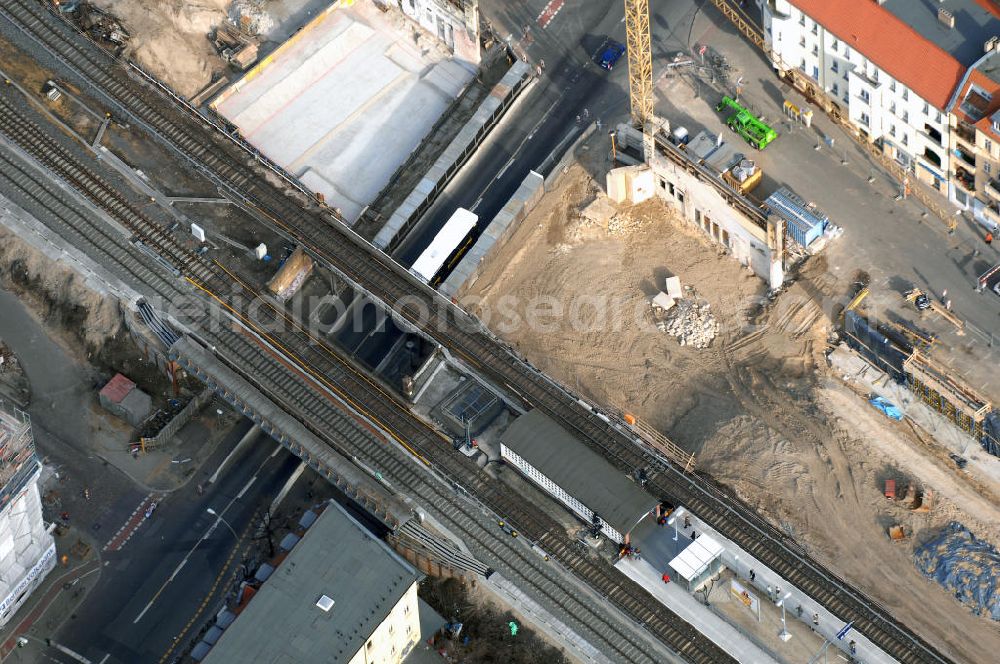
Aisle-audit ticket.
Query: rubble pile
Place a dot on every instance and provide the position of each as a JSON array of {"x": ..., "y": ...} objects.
[
  {"x": 692, "y": 323},
  {"x": 251, "y": 17}
]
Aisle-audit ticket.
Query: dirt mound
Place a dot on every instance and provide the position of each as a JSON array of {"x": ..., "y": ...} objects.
[
  {"x": 170, "y": 38},
  {"x": 58, "y": 295}
]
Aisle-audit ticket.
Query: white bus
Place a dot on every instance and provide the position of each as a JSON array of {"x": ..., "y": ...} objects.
[{"x": 451, "y": 236}]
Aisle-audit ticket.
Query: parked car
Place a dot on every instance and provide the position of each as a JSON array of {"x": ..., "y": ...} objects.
[{"x": 610, "y": 54}]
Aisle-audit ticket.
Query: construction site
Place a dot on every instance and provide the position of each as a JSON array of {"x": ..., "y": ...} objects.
[{"x": 610, "y": 354}]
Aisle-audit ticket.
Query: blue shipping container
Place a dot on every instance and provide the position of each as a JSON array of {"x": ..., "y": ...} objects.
[{"x": 805, "y": 226}]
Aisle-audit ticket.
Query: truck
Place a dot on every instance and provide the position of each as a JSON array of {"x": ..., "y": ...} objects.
[{"x": 746, "y": 124}]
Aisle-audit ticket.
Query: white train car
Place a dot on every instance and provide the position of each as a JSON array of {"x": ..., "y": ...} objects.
[{"x": 451, "y": 236}]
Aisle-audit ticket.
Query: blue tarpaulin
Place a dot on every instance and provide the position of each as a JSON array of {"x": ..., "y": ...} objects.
[
  {"x": 886, "y": 407},
  {"x": 966, "y": 566}
]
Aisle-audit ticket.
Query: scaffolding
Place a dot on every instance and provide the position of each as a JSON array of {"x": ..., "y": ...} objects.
[
  {"x": 17, "y": 449},
  {"x": 959, "y": 403}
]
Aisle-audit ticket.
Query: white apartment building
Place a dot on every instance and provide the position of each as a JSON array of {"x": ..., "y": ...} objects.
[
  {"x": 890, "y": 66},
  {"x": 27, "y": 549}
]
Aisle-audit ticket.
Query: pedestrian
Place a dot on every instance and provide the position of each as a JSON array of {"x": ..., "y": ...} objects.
[
  {"x": 687, "y": 522},
  {"x": 816, "y": 619},
  {"x": 753, "y": 576},
  {"x": 944, "y": 295},
  {"x": 665, "y": 577},
  {"x": 694, "y": 535},
  {"x": 947, "y": 305},
  {"x": 989, "y": 238},
  {"x": 854, "y": 648},
  {"x": 769, "y": 593}
]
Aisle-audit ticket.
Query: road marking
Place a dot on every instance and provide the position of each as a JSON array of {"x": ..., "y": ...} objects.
[
  {"x": 254, "y": 430},
  {"x": 205, "y": 536},
  {"x": 131, "y": 525},
  {"x": 504, "y": 169},
  {"x": 549, "y": 13},
  {"x": 288, "y": 486},
  {"x": 75, "y": 655},
  {"x": 104, "y": 659},
  {"x": 246, "y": 486}
]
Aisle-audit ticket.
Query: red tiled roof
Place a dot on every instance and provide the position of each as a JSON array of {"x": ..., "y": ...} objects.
[
  {"x": 895, "y": 47},
  {"x": 117, "y": 388},
  {"x": 992, "y": 88}
]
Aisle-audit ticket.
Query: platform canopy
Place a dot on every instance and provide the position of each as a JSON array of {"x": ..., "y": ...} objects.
[
  {"x": 577, "y": 470},
  {"x": 696, "y": 558}
]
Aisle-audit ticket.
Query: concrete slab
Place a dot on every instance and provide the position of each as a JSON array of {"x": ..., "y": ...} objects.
[{"x": 343, "y": 103}]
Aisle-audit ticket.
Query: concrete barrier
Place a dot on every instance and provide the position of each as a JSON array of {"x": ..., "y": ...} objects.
[
  {"x": 454, "y": 156},
  {"x": 496, "y": 234}
]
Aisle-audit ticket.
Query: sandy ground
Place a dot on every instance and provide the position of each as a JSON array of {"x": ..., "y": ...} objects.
[
  {"x": 759, "y": 407},
  {"x": 170, "y": 38}
]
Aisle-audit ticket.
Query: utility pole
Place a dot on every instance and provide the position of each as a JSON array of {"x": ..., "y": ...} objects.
[{"x": 640, "y": 61}]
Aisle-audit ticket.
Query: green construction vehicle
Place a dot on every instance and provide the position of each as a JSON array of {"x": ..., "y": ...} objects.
[{"x": 746, "y": 124}]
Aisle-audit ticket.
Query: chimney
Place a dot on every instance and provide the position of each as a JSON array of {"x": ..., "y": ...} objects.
[
  {"x": 946, "y": 17},
  {"x": 991, "y": 44}
]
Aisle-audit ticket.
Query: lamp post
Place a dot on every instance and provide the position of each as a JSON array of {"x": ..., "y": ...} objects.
[
  {"x": 218, "y": 517},
  {"x": 784, "y": 635},
  {"x": 673, "y": 520}
]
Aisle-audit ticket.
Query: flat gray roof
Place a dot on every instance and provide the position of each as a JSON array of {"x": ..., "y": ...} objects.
[
  {"x": 338, "y": 558},
  {"x": 974, "y": 24},
  {"x": 578, "y": 470}
]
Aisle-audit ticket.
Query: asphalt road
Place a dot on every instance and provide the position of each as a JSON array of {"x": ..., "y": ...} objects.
[
  {"x": 541, "y": 126},
  {"x": 154, "y": 586}
]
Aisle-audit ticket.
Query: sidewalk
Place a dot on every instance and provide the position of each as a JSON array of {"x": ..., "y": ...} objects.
[{"x": 52, "y": 589}]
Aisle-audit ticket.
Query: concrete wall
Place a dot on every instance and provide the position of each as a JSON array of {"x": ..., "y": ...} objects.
[
  {"x": 702, "y": 205},
  {"x": 496, "y": 234},
  {"x": 458, "y": 29},
  {"x": 454, "y": 156}
]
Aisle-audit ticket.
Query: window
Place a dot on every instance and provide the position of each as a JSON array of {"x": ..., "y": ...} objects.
[
  {"x": 834, "y": 45},
  {"x": 815, "y": 29},
  {"x": 987, "y": 169},
  {"x": 815, "y": 50},
  {"x": 835, "y": 67},
  {"x": 906, "y": 94},
  {"x": 847, "y": 51},
  {"x": 892, "y": 131},
  {"x": 906, "y": 140},
  {"x": 937, "y": 118},
  {"x": 369, "y": 645},
  {"x": 892, "y": 86},
  {"x": 906, "y": 116},
  {"x": 847, "y": 97},
  {"x": 802, "y": 42},
  {"x": 892, "y": 107},
  {"x": 802, "y": 20},
  {"x": 835, "y": 90},
  {"x": 815, "y": 72},
  {"x": 865, "y": 97},
  {"x": 865, "y": 120},
  {"x": 802, "y": 65},
  {"x": 874, "y": 74},
  {"x": 988, "y": 144},
  {"x": 845, "y": 73},
  {"x": 927, "y": 108}
]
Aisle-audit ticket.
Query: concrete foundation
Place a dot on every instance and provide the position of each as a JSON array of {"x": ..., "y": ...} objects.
[{"x": 342, "y": 103}]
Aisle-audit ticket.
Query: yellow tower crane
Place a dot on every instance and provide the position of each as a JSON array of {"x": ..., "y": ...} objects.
[{"x": 640, "y": 61}]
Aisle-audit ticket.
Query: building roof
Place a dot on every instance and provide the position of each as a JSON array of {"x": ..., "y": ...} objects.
[
  {"x": 578, "y": 470},
  {"x": 117, "y": 388},
  {"x": 899, "y": 39},
  {"x": 979, "y": 98},
  {"x": 696, "y": 557},
  {"x": 285, "y": 622}
]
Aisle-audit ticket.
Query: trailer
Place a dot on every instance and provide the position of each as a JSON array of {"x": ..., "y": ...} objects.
[{"x": 446, "y": 248}]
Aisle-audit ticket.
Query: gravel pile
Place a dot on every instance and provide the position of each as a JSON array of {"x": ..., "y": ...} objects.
[{"x": 691, "y": 323}]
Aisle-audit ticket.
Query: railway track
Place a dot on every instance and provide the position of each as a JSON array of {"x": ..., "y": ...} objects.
[
  {"x": 471, "y": 512},
  {"x": 232, "y": 166}
]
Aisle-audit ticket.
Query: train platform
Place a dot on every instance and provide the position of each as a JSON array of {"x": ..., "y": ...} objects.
[
  {"x": 758, "y": 587},
  {"x": 320, "y": 105}
]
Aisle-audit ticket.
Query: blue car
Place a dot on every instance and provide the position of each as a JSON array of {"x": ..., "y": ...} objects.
[{"x": 610, "y": 54}]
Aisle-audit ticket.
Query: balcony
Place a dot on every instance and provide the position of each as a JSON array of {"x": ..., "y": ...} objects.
[
  {"x": 965, "y": 179},
  {"x": 966, "y": 133},
  {"x": 968, "y": 157},
  {"x": 993, "y": 188}
]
